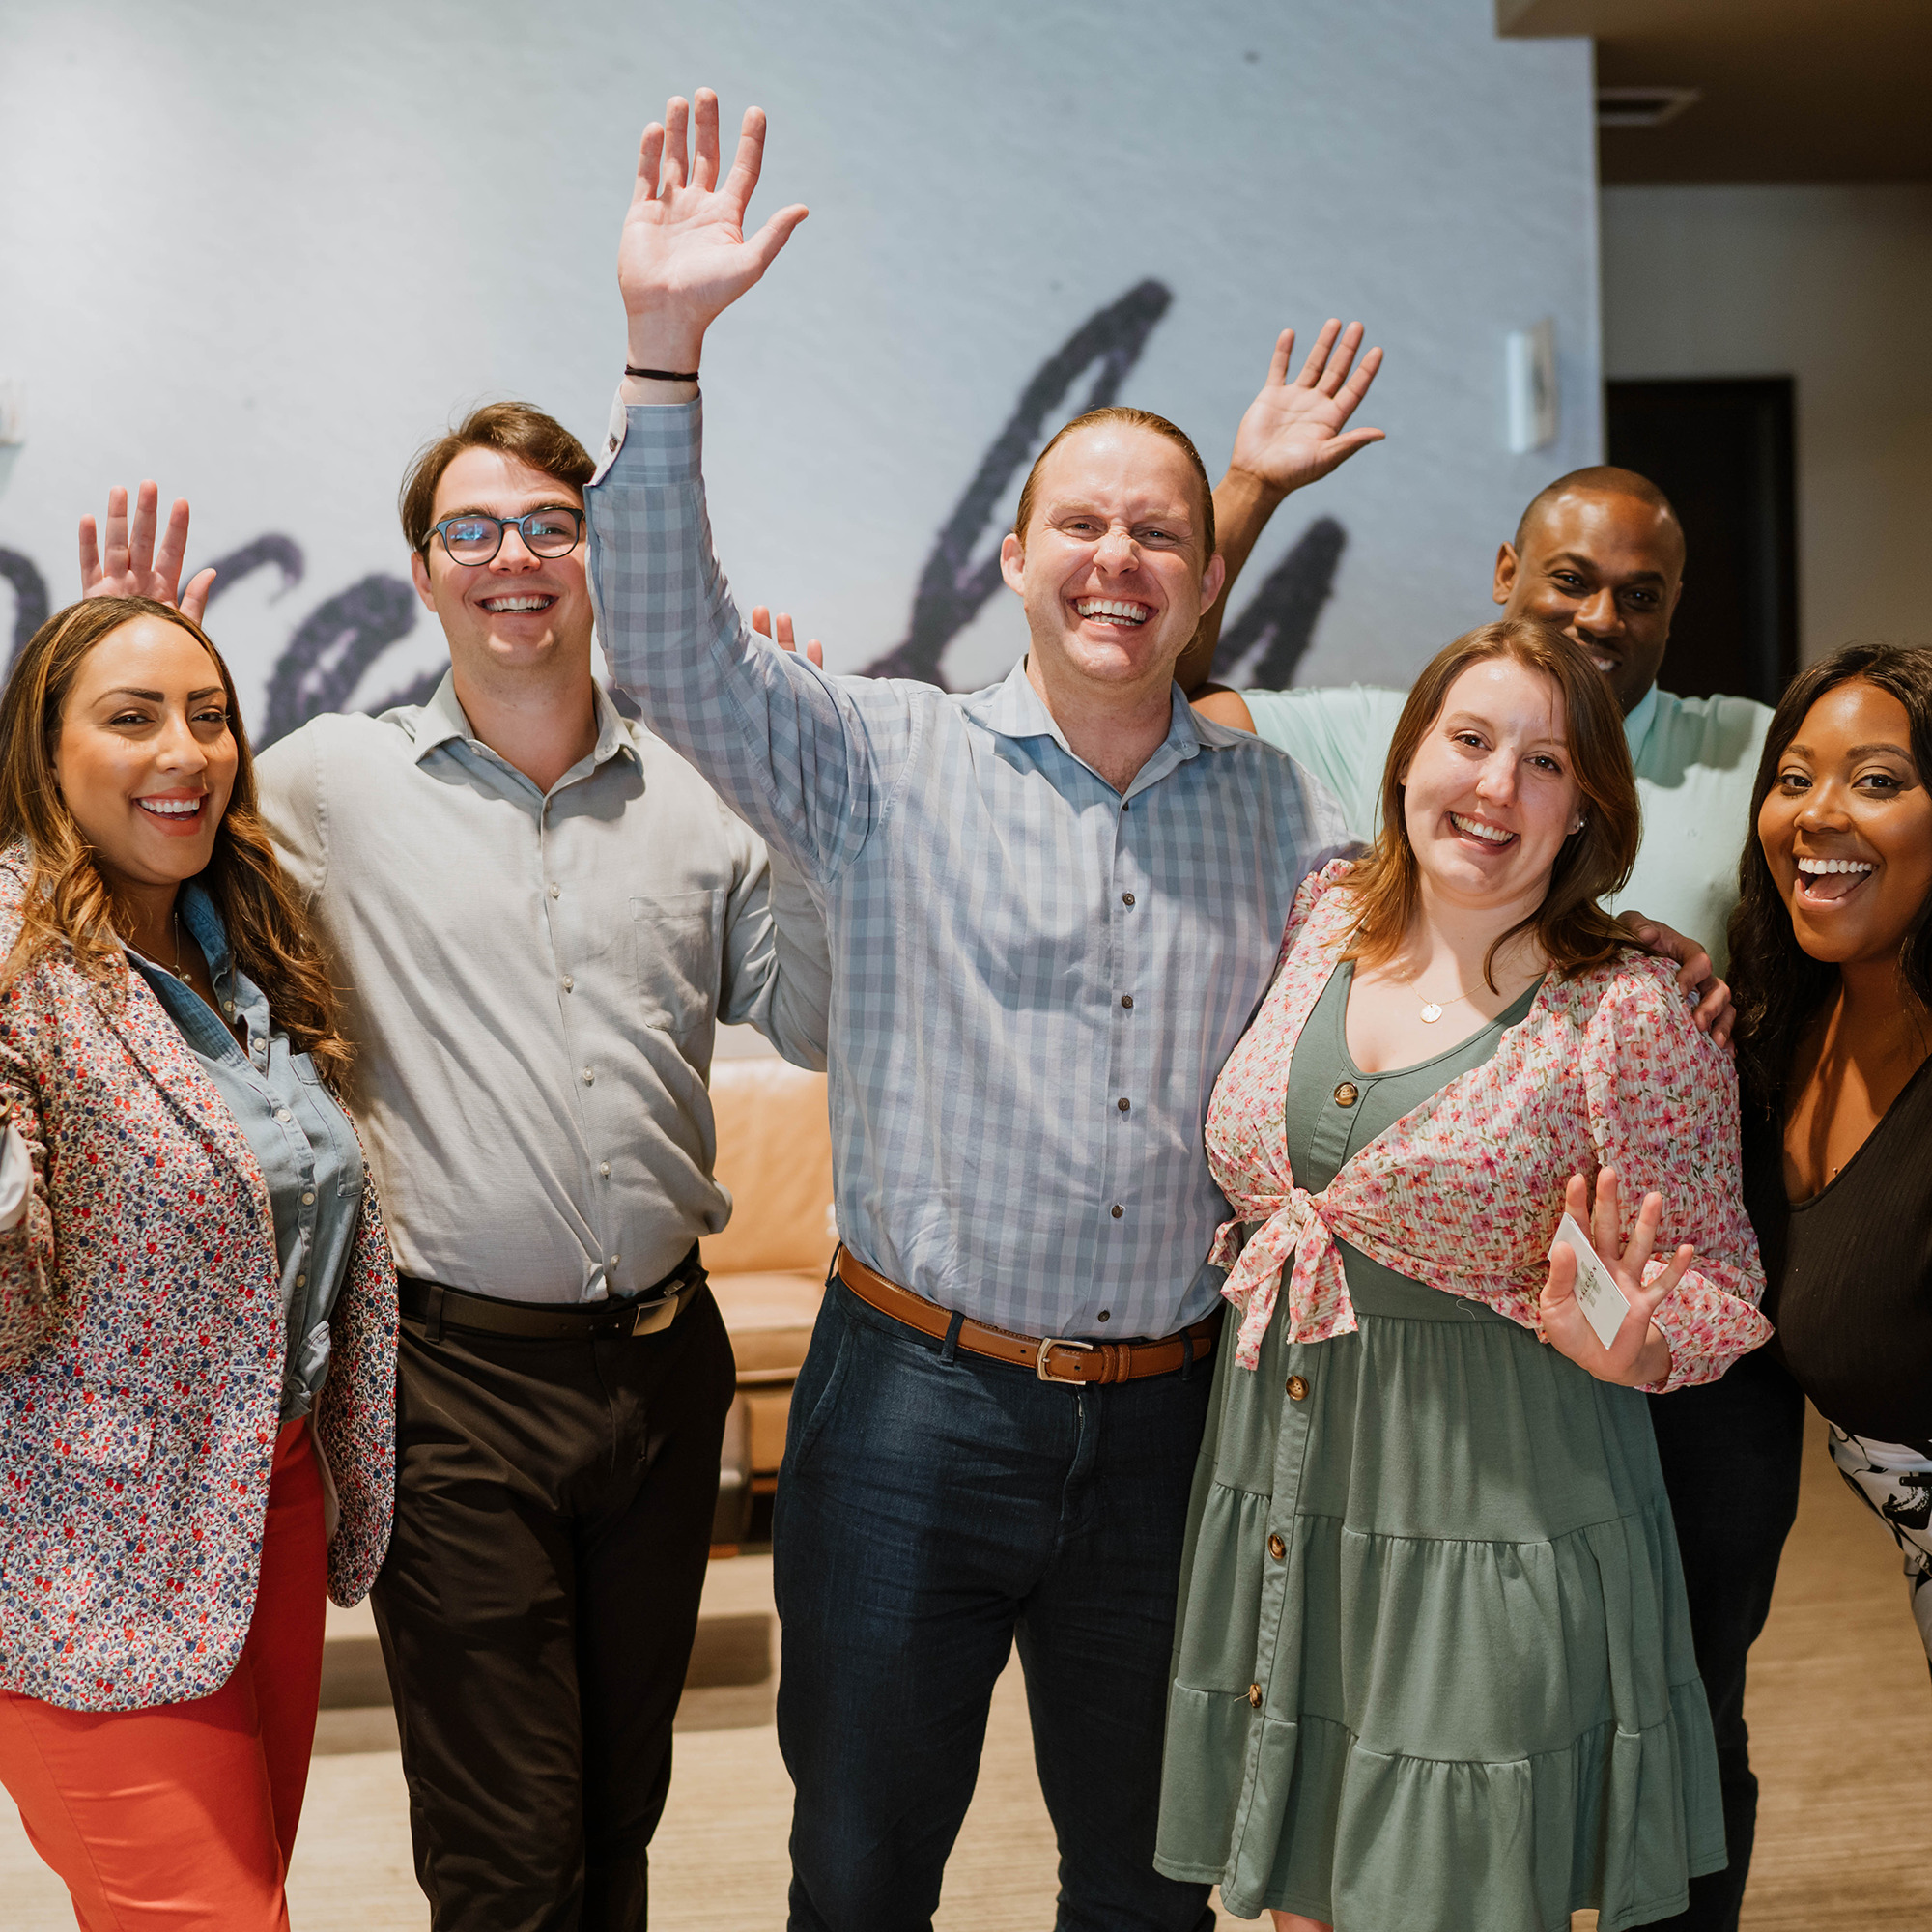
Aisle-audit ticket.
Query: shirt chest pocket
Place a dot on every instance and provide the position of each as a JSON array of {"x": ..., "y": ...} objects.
[{"x": 678, "y": 941}]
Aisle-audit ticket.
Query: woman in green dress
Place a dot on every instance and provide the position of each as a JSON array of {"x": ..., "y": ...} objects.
[{"x": 1433, "y": 1669}]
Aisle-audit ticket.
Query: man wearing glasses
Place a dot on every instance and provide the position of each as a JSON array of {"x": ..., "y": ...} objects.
[{"x": 539, "y": 913}]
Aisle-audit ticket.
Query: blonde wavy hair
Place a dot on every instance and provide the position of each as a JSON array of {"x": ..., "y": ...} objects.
[{"x": 69, "y": 905}]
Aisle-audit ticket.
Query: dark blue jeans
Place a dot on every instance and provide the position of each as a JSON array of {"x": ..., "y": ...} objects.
[
  {"x": 1730, "y": 1452},
  {"x": 933, "y": 1507}
]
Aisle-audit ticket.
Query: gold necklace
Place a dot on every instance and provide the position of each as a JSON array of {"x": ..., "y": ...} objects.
[{"x": 1433, "y": 1009}]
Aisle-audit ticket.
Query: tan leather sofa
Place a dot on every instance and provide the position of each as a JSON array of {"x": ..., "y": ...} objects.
[{"x": 768, "y": 1267}]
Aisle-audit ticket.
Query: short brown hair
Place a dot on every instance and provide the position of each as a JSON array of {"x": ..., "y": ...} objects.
[
  {"x": 1127, "y": 418},
  {"x": 68, "y": 906},
  {"x": 1573, "y": 931},
  {"x": 517, "y": 429}
]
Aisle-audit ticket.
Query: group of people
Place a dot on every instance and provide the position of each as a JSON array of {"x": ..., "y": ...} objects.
[{"x": 1311, "y": 1274}]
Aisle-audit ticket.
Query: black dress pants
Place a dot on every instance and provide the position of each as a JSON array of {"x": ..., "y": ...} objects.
[
  {"x": 1730, "y": 1452},
  {"x": 553, "y": 1508}
]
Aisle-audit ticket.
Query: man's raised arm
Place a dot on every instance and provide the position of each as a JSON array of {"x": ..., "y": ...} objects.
[
  {"x": 801, "y": 756},
  {"x": 1293, "y": 433}
]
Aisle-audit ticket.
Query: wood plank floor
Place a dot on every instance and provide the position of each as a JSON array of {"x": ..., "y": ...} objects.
[{"x": 1841, "y": 1723}]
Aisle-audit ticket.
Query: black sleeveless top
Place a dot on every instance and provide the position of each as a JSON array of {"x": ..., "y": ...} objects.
[{"x": 1849, "y": 1273}]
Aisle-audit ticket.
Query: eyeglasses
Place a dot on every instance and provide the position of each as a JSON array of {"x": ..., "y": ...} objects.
[{"x": 474, "y": 538}]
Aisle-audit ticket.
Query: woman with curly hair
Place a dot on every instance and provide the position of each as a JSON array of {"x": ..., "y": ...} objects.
[
  {"x": 197, "y": 1307},
  {"x": 1832, "y": 951},
  {"x": 1435, "y": 1668}
]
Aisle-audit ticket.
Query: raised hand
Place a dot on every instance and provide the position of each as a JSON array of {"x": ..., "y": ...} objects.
[
  {"x": 786, "y": 639},
  {"x": 1296, "y": 433},
  {"x": 683, "y": 256},
  {"x": 130, "y": 566},
  {"x": 1641, "y": 1355}
]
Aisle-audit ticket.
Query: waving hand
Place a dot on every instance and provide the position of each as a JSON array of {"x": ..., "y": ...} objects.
[
  {"x": 683, "y": 257},
  {"x": 130, "y": 566},
  {"x": 1296, "y": 433}
]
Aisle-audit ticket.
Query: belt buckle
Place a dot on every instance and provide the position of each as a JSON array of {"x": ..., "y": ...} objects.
[
  {"x": 649, "y": 1316},
  {"x": 1051, "y": 1341}
]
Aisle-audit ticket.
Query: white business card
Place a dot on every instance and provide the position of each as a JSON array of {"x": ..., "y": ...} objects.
[{"x": 1603, "y": 1303}]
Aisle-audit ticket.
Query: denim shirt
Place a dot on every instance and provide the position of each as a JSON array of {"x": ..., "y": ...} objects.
[{"x": 301, "y": 1139}]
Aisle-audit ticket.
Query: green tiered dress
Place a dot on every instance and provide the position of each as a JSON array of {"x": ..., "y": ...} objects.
[{"x": 1433, "y": 1669}]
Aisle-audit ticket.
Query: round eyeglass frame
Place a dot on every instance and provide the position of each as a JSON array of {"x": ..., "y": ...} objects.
[{"x": 521, "y": 524}]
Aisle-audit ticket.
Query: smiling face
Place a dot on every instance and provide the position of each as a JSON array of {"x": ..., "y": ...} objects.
[
  {"x": 1847, "y": 827},
  {"x": 147, "y": 757},
  {"x": 1489, "y": 797},
  {"x": 518, "y": 611},
  {"x": 1607, "y": 570},
  {"x": 1111, "y": 572}
]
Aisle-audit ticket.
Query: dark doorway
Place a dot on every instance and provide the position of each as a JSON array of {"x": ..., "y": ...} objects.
[{"x": 1721, "y": 451}]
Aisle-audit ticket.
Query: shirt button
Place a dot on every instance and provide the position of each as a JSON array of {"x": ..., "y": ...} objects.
[
  {"x": 603, "y": 1167},
  {"x": 1106, "y": 1315},
  {"x": 588, "y": 1077},
  {"x": 1346, "y": 1093},
  {"x": 1277, "y": 1548},
  {"x": 1297, "y": 1388},
  {"x": 616, "y": 1259},
  {"x": 611, "y": 444},
  {"x": 1126, "y": 898},
  {"x": 1117, "y": 1210},
  {"x": 283, "y": 1115},
  {"x": 308, "y": 1198},
  {"x": 228, "y": 1006},
  {"x": 1255, "y": 1695},
  {"x": 1126, "y": 1106},
  {"x": 1127, "y": 999},
  {"x": 302, "y": 1280},
  {"x": 555, "y": 889},
  {"x": 569, "y": 984}
]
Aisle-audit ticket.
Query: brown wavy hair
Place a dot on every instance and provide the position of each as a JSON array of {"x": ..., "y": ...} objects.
[
  {"x": 1777, "y": 986},
  {"x": 68, "y": 904},
  {"x": 1573, "y": 931},
  {"x": 513, "y": 429}
]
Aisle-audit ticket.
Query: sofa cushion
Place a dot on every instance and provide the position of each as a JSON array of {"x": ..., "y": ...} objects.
[
  {"x": 769, "y": 1317},
  {"x": 775, "y": 1156}
]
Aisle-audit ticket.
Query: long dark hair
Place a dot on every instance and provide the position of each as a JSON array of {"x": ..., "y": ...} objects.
[
  {"x": 69, "y": 907},
  {"x": 1777, "y": 986},
  {"x": 1573, "y": 931}
]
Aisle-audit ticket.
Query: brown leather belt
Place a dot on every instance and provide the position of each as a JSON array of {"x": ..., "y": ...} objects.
[{"x": 1051, "y": 1357}]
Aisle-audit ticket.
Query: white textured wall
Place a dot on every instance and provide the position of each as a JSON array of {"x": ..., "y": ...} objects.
[
  {"x": 1833, "y": 286},
  {"x": 261, "y": 253}
]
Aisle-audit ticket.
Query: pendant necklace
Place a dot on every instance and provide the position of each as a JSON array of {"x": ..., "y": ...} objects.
[
  {"x": 1433, "y": 1009},
  {"x": 178, "y": 969}
]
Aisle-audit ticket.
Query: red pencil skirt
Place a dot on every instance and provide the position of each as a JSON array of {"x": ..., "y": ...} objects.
[{"x": 182, "y": 1816}]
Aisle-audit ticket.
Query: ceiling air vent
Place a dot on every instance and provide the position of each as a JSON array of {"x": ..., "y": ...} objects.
[{"x": 1642, "y": 106}]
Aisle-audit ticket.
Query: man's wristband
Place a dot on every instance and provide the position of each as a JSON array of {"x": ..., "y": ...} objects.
[{"x": 663, "y": 375}]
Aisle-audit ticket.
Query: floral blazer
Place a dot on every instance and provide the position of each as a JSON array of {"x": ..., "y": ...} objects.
[
  {"x": 1464, "y": 1192},
  {"x": 141, "y": 1355}
]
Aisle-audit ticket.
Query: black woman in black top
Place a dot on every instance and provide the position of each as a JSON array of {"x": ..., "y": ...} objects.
[{"x": 1831, "y": 950}]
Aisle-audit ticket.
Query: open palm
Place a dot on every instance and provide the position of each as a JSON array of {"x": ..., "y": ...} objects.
[
  {"x": 683, "y": 256},
  {"x": 1296, "y": 433}
]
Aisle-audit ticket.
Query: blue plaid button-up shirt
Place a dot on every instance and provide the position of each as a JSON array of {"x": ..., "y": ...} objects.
[{"x": 1036, "y": 978}]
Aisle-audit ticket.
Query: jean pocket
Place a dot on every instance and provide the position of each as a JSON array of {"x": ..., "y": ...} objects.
[{"x": 813, "y": 1399}]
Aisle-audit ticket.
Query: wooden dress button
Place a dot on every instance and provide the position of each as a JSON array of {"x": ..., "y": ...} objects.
[
  {"x": 1297, "y": 1388},
  {"x": 1348, "y": 1094},
  {"x": 1255, "y": 1695},
  {"x": 1277, "y": 1548}
]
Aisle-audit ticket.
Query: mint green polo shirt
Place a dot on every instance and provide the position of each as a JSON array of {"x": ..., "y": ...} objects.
[{"x": 1696, "y": 760}]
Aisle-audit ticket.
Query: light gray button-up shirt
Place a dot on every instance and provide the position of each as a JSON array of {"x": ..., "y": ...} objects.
[
  {"x": 1036, "y": 978},
  {"x": 532, "y": 980}
]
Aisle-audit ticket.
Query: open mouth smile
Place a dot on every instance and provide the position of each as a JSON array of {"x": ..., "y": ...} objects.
[
  {"x": 175, "y": 814},
  {"x": 1113, "y": 611},
  {"x": 1823, "y": 882},
  {"x": 1476, "y": 828},
  {"x": 519, "y": 605}
]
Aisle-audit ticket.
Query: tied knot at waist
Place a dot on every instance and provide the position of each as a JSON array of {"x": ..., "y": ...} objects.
[{"x": 1317, "y": 1290}]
